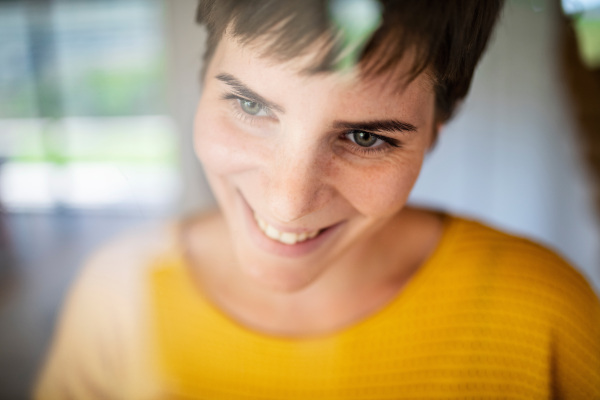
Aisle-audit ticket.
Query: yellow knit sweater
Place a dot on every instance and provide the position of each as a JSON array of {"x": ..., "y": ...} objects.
[{"x": 488, "y": 316}]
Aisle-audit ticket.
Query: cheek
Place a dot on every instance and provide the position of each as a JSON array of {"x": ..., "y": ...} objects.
[
  {"x": 381, "y": 190},
  {"x": 221, "y": 147}
]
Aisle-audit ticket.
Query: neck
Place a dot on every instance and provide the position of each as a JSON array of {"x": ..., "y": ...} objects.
[{"x": 357, "y": 284}]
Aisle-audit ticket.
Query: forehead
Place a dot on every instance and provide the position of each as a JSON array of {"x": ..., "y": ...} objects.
[{"x": 269, "y": 74}]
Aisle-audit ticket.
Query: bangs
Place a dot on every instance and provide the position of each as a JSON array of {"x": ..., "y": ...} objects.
[
  {"x": 445, "y": 39},
  {"x": 287, "y": 30}
]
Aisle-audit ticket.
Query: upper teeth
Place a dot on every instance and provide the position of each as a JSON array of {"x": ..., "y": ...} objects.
[{"x": 283, "y": 237}]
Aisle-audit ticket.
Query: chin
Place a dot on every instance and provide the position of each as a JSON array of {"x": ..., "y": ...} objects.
[{"x": 280, "y": 276}]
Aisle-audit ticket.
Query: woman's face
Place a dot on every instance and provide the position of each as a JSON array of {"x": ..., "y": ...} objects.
[{"x": 307, "y": 169}]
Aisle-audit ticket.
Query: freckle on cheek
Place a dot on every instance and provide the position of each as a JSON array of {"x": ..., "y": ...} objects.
[{"x": 388, "y": 195}]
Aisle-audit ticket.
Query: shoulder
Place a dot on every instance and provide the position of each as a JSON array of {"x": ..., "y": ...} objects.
[
  {"x": 114, "y": 268},
  {"x": 97, "y": 348},
  {"x": 544, "y": 293},
  {"x": 114, "y": 273},
  {"x": 530, "y": 302},
  {"x": 110, "y": 291},
  {"x": 509, "y": 255},
  {"x": 129, "y": 253},
  {"x": 529, "y": 276},
  {"x": 472, "y": 253}
]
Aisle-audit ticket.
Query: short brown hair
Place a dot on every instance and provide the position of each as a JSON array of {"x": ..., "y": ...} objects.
[{"x": 448, "y": 36}]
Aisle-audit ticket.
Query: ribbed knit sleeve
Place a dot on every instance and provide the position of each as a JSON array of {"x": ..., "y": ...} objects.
[
  {"x": 538, "y": 288},
  {"x": 576, "y": 333}
]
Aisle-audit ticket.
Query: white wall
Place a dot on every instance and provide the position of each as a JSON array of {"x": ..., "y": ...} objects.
[
  {"x": 509, "y": 158},
  {"x": 185, "y": 47}
]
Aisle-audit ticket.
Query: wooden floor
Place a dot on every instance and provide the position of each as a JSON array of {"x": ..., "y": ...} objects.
[{"x": 39, "y": 256}]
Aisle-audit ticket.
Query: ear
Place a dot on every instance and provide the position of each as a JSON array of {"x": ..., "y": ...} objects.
[{"x": 437, "y": 130}]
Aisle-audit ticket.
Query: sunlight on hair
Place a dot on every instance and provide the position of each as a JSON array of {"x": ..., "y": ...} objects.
[{"x": 356, "y": 20}]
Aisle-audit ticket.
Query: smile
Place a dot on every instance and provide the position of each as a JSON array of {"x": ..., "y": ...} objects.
[
  {"x": 288, "y": 238},
  {"x": 292, "y": 242}
]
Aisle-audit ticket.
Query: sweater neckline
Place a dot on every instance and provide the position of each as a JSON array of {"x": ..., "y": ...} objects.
[{"x": 401, "y": 299}]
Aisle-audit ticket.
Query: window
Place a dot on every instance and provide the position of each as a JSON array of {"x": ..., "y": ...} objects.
[{"x": 82, "y": 108}]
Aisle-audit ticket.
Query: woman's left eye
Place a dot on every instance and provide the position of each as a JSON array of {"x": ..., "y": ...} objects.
[
  {"x": 365, "y": 139},
  {"x": 252, "y": 108}
]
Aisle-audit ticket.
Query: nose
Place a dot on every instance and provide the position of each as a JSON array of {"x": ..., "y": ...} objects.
[{"x": 296, "y": 183}]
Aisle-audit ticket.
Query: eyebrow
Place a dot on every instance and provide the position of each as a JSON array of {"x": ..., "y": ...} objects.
[
  {"x": 249, "y": 94},
  {"x": 388, "y": 125}
]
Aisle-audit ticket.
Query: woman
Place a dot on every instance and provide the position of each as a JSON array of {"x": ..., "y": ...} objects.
[{"x": 314, "y": 280}]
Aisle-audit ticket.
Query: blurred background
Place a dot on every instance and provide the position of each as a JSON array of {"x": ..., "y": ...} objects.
[{"x": 97, "y": 99}]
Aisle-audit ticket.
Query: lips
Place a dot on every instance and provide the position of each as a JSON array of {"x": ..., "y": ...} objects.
[
  {"x": 286, "y": 243},
  {"x": 289, "y": 238}
]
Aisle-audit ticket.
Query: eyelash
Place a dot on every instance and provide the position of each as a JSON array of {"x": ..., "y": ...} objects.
[
  {"x": 241, "y": 114},
  {"x": 388, "y": 144}
]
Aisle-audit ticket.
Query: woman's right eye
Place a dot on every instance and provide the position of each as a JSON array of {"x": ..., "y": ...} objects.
[
  {"x": 245, "y": 108},
  {"x": 252, "y": 108}
]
